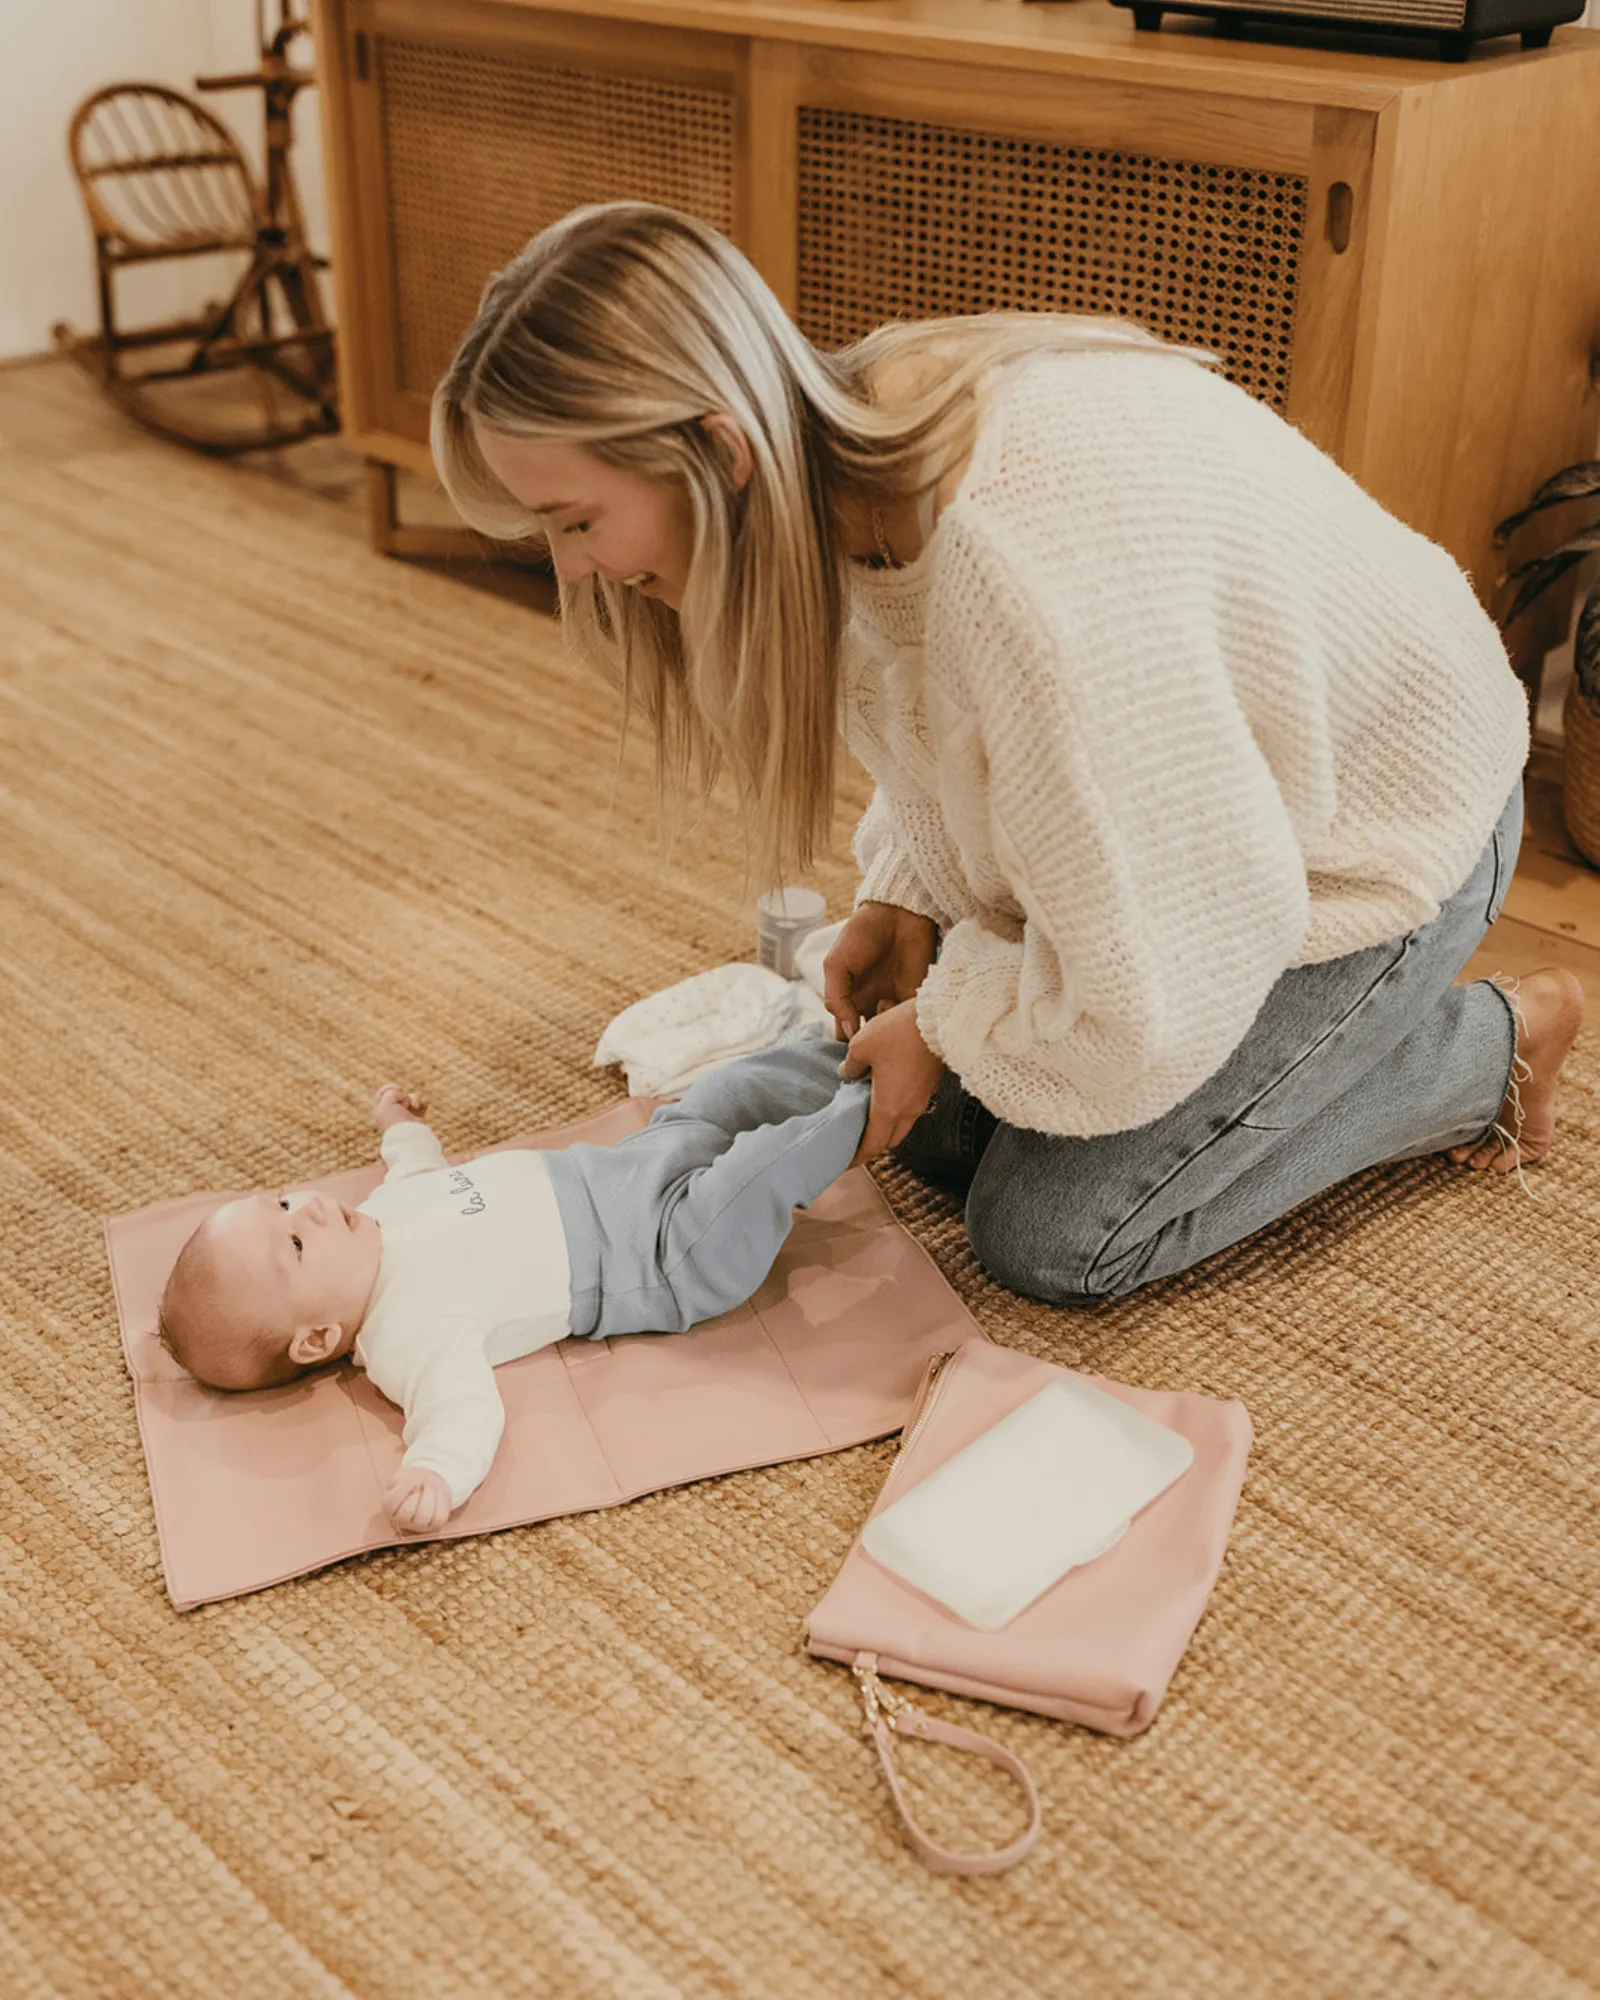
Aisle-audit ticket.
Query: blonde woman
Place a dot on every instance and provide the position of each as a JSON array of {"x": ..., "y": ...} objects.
[{"x": 1198, "y": 774}]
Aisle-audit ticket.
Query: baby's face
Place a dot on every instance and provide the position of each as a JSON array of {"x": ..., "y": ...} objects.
[{"x": 302, "y": 1260}]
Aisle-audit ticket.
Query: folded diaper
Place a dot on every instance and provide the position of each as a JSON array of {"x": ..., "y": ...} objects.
[{"x": 668, "y": 1039}]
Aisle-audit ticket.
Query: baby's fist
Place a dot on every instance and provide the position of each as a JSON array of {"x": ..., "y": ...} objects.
[
  {"x": 418, "y": 1499},
  {"x": 394, "y": 1105}
]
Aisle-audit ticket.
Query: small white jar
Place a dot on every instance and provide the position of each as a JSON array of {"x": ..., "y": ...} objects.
[{"x": 783, "y": 918}]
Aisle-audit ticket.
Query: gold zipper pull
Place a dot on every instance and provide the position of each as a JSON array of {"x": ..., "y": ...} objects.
[
  {"x": 919, "y": 1409},
  {"x": 875, "y": 1696}
]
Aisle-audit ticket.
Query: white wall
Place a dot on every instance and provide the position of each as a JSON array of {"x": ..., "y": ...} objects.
[{"x": 52, "y": 54}]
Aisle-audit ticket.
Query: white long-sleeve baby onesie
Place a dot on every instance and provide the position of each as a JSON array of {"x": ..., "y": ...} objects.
[{"x": 473, "y": 1271}]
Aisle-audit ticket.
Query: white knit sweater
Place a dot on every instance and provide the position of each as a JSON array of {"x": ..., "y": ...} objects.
[{"x": 1166, "y": 705}]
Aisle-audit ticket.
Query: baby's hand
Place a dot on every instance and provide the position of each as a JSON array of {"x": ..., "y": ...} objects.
[
  {"x": 395, "y": 1105},
  {"x": 418, "y": 1499}
]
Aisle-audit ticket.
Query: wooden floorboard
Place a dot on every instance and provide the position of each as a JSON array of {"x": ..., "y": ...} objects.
[
  {"x": 1552, "y": 913},
  {"x": 1515, "y": 947}
]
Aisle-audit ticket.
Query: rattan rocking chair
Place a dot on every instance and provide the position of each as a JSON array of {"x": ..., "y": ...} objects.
[{"x": 163, "y": 178}]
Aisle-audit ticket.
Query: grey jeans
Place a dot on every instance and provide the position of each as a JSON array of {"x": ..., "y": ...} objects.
[
  {"x": 682, "y": 1220},
  {"x": 1376, "y": 1056}
]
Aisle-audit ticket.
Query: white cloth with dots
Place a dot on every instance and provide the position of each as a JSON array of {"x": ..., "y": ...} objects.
[{"x": 667, "y": 1039}]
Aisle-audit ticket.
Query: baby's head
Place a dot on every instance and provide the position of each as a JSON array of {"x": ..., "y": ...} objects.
[{"x": 269, "y": 1286}]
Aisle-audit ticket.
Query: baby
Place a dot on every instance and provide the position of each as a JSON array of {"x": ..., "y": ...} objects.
[{"x": 443, "y": 1272}]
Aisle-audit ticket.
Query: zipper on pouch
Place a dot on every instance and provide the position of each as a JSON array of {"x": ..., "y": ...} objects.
[{"x": 937, "y": 1369}]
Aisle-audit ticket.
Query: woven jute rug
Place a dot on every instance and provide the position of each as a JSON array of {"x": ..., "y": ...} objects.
[{"x": 281, "y": 819}]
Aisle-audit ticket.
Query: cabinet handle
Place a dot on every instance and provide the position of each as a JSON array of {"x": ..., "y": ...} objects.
[
  {"x": 363, "y": 57},
  {"x": 1341, "y": 206}
]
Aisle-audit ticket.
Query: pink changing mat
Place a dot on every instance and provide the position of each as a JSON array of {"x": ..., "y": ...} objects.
[{"x": 252, "y": 1489}]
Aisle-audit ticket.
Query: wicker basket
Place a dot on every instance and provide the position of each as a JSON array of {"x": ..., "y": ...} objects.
[{"x": 1580, "y": 784}]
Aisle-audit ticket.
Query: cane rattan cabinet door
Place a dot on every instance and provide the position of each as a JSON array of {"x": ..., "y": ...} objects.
[
  {"x": 922, "y": 190},
  {"x": 471, "y": 129},
  {"x": 1368, "y": 246},
  {"x": 903, "y": 219}
]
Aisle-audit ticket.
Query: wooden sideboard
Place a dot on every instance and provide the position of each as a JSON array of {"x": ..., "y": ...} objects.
[{"x": 1401, "y": 256}]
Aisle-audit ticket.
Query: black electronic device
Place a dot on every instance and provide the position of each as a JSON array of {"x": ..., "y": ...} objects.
[{"x": 1454, "y": 25}]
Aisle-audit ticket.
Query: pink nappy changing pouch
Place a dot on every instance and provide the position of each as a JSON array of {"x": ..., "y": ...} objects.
[
  {"x": 251, "y": 1489},
  {"x": 1099, "y": 1646}
]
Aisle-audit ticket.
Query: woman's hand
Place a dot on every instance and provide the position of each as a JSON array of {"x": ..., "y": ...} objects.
[
  {"x": 905, "y": 1074},
  {"x": 880, "y": 958}
]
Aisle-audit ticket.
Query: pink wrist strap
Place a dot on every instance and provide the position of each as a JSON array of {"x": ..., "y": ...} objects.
[{"x": 890, "y": 1715}]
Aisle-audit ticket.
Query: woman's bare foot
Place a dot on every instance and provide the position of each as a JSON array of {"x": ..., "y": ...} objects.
[{"x": 1549, "y": 1008}]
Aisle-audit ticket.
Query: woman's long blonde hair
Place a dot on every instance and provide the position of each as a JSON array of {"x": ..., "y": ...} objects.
[{"x": 618, "y": 328}]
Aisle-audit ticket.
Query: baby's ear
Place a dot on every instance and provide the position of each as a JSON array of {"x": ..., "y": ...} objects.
[{"x": 312, "y": 1345}]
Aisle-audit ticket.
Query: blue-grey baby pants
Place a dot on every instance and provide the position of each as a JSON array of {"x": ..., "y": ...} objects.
[{"x": 683, "y": 1220}]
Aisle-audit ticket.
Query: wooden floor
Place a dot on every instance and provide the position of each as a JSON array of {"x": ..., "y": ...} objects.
[
  {"x": 1552, "y": 915},
  {"x": 49, "y": 410}
]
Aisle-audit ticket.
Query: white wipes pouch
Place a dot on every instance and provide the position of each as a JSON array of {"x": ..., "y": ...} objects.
[{"x": 1050, "y": 1486}]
